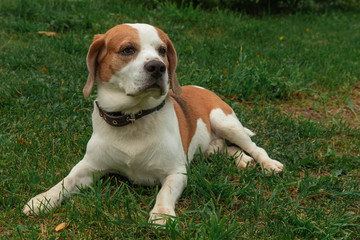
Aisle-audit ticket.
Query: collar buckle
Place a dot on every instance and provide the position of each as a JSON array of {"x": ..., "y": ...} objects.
[{"x": 131, "y": 118}]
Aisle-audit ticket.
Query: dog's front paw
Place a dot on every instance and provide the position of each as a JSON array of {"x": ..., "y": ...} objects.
[
  {"x": 272, "y": 166},
  {"x": 40, "y": 203},
  {"x": 159, "y": 216}
]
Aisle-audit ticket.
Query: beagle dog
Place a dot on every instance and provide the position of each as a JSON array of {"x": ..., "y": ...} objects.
[{"x": 142, "y": 129}]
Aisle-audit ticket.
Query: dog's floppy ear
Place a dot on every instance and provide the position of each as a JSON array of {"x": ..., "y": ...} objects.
[
  {"x": 172, "y": 58},
  {"x": 91, "y": 61}
]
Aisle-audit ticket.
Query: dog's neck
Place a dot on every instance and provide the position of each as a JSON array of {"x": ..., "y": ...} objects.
[{"x": 120, "y": 119}]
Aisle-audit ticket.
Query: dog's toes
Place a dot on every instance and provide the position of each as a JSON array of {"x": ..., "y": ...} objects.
[
  {"x": 159, "y": 217},
  {"x": 244, "y": 161},
  {"x": 27, "y": 210},
  {"x": 38, "y": 204},
  {"x": 158, "y": 220},
  {"x": 272, "y": 166}
]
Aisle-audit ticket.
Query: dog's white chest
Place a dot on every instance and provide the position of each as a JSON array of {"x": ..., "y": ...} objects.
[{"x": 145, "y": 153}]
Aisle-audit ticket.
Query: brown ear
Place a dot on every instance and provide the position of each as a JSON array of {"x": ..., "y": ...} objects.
[
  {"x": 91, "y": 61},
  {"x": 97, "y": 37},
  {"x": 172, "y": 58}
]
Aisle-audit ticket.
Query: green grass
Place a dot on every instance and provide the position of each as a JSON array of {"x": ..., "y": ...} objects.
[{"x": 45, "y": 122}]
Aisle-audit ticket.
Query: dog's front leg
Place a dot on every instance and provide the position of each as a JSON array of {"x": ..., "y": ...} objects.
[
  {"x": 171, "y": 189},
  {"x": 80, "y": 176}
]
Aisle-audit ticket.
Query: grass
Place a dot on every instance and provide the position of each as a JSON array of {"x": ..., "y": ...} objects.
[{"x": 45, "y": 122}]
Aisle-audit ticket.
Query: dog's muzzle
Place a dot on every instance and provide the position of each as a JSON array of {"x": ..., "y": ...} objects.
[
  {"x": 155, "y": 79},
  {"x": 156, "y": 71}
]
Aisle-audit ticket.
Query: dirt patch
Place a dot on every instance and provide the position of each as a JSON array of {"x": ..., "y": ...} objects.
[{"x": 331, "y": 109}]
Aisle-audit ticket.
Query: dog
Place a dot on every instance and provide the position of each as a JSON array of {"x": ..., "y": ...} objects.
[{"x": 144, "y": 130}]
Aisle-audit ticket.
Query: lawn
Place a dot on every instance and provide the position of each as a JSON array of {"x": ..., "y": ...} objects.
[{"x": 292, "y": 79}]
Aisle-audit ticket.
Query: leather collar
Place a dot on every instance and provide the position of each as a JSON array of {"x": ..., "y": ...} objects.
[{"x": 119, "y": 119}]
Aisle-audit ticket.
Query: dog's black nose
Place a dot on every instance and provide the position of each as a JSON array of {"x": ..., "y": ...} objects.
[{"x": 155, "y": 68}]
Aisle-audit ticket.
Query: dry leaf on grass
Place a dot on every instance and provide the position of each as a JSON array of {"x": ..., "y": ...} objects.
[
  {"x": 60, "y": 227},
  {"x": 48, "y": 34}
]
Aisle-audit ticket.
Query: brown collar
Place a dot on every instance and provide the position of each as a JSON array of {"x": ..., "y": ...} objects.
[{"x": 119, "y": 119}]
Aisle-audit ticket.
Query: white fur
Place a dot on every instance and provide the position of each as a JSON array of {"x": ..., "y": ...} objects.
[
  {"x": 201, "y": 140},
  {"x": 149, "y": 151}
]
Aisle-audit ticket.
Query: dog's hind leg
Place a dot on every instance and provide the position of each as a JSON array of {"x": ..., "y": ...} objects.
[
  {"x": 230, "y": 128},
  {"x": 242, "y": 160}
]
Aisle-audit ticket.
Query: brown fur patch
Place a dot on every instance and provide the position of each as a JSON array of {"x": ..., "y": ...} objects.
[
  {"x": 109, "y": 59},
  {"x": 194, "y": 103},
  {"x": 103, "y": 56}
]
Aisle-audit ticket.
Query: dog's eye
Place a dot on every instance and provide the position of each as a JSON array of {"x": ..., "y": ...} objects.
[
  {"x": 128, "y": 51},
  {"x": 162, "y": 51}
]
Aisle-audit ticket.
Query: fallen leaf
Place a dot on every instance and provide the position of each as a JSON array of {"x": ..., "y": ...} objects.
[
  {"x": 60, "y": 227},
  {"x": 48, "y": 34}
]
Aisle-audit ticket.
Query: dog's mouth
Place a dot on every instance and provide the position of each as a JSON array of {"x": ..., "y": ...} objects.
[{"x": 153, "y": 89}]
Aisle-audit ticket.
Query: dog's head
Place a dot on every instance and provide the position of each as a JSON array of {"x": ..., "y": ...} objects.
[{"x": 134, "y": 60}]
